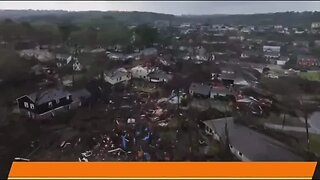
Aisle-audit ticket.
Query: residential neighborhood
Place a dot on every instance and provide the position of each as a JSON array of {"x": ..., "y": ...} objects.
[{"x": 175, "y": 89}]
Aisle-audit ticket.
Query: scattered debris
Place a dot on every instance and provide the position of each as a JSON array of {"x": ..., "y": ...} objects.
[
  {"x": 21, "y": 159},
  {"x": 131, "y": 121},
  {"x": 87, "y": 154}
]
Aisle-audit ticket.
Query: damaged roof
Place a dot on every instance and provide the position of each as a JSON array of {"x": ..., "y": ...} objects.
[
  {"x": 199, "y": 88},
  {"x": 48, "y": 95}
]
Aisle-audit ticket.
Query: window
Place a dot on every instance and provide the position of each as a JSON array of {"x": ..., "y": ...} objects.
[
  {"x": 26, "y": 105},
  {"x": 50, "y": 104},
  {"x": 32, "y": 106},
  {"x": 240, "y": 154},
  {"x": 231, "y": 146}
]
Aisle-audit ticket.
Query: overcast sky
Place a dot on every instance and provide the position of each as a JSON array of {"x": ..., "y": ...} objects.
[{"x": 169, "y": 7}]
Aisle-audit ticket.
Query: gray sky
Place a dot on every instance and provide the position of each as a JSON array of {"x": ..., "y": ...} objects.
[{"x": 169, "y": 7}]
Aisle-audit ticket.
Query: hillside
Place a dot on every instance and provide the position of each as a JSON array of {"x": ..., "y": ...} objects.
[{"x": 285, "y": 18}]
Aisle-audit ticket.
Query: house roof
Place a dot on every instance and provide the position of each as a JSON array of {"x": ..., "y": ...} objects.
[
  {"x": 272, "y": 53},
  {"x": 225, "y": 75},
  {"x": 252, "y": 144},
  {"x": 117, "y": 73},
  {"x": 116, "y": 56},
  {"x": 299, "y": 57},
  {"x": 149, "y": 51},
  {"x": 62, "y": 56},
  {"x": 81, "y": 93},
  {"x": 220, "y": 89},
  {"x": 48, "y": 95},
  {"x": 199, "y": 88},
  {"x": 251, "y": 53},
  {"x": 240, "y": 75},
  {"x": 159, "y": 74}
]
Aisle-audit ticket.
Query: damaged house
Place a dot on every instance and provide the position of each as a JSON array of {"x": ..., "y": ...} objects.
[
  {"x": 200, "y": 90},
  {"x": 141, "y": 72},
  {"x": 120, "y": 75},
  {"x": 238, "y": 76},
  {"x": 159, "y": 76}
]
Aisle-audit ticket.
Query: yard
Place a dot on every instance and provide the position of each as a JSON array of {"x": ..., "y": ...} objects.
[
  {"x": 315, "y": 143},
  {"x": 278, "y": 119},
  {"x": 311, "y": 75}
]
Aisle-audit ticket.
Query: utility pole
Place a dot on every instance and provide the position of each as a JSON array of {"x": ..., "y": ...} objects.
[
  {"x": 178, "y": 94},
  {"x": 73, "y": 68}
]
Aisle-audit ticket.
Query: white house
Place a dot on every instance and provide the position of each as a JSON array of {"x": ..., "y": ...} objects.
[
  {"x": 159, "y": 76},
  {"x": 315, "y": 25},
  {"x": 141, "y": 72},
  {"x": 271, "y": 52},
  {"x": 39, "y": 54},
  {"x": 117, "y": 76},
  {"x": 282, "y": 60}
]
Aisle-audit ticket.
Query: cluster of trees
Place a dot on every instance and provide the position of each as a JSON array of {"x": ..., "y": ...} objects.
[
  {"x": 97, "y": 32},
  {"x": 42, "y": 32},
  {"x": 12, "y": 69}
]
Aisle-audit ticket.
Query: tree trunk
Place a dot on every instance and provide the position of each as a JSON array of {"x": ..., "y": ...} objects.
[
  {"x": 178, "y": 99},
  {"x": 307, "y": 131}
]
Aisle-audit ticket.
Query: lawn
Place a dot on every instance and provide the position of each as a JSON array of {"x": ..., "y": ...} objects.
[
  {"x": 315, "y": 143},
  {"x": 311, "y": 76},
  {"x": 278, "y": 119}
]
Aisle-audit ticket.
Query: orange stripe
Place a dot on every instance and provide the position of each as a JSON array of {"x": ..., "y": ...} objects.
[{"x": 162, "y": 169}]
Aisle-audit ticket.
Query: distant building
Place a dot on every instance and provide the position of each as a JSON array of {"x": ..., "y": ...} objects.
[
  {"x": 219, "y": 91},
  {"x": 159, "y": 76},
  {"x": 315, "y": 25},
  {"x": 39, "y": 54},
  {"x": 317, "y": 43},
  {"x": 282, "y": 60},
  {"x": 120, "y": 75},
  {"x": 141, "y": 72},
  {"x": 64, "y": 60},
  {"x": 307, "y": 61},
  {"x": 200, "y": 90},
  {"x": 238, "y": 76},
  {"x": 271, "y": 52},
  {"x": 161, "y": 24},
  {"x": 304, "y": 44},
  {"x": 116, "y": 56},
  {"x": 249, "y": 54},
  {"x": 149, "y": 52},
  {"x": 236, "y": 38}
]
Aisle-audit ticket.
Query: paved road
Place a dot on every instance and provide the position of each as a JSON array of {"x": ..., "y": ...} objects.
[
  {"x": 314, "y": 125},
  {"x": 314, "y": 120},
  {"x": 291, "y": 128}
]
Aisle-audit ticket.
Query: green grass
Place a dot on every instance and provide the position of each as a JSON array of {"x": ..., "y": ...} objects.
[
  {"x": 315, "y": 143},
  {"x": 213, "y": 150},
  {"x": 311, "y": 76}
]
